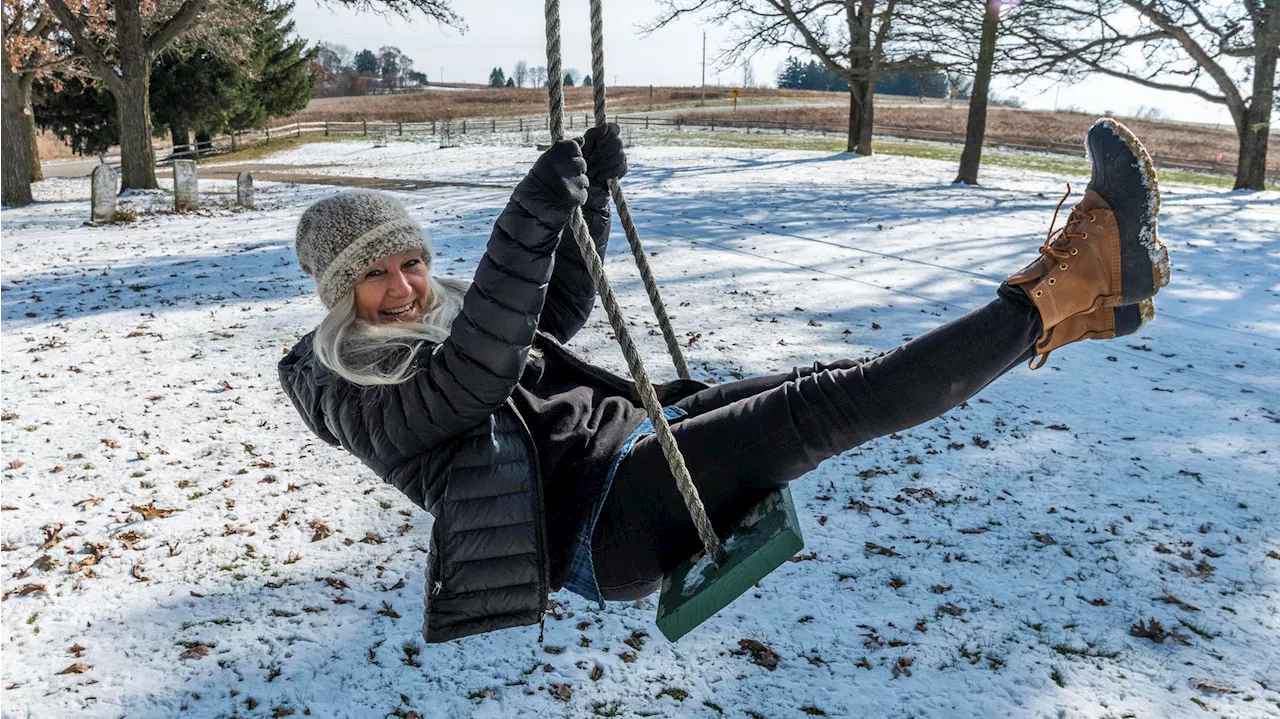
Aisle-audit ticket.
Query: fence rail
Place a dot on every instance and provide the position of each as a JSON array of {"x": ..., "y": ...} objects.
[{"x": 381, "y": 129}]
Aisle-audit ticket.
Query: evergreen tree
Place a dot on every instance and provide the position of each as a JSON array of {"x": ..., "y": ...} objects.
[
  {"x": 366, "y": 62},
  {"x": 195, "y": 90},
  {"x": 568, "y": 79},
  {"x": 586, "y": 81},
  {"x": 497, "y": 78},
  {"x": 791, "y": 76},
  {"x": 280, "y": 79},
  {"x": 81, "y": 113},
  {"x": 192, "y": 89},
  {"x": 511, "y": 82}
]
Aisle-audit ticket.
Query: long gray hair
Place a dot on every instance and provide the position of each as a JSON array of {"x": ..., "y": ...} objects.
[{"x": 365, "y": 353}]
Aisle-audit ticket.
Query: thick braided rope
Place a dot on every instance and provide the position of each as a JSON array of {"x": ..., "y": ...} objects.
[
  {"x": 581, "y": 235},
  {"x": 619, "y": 201}
]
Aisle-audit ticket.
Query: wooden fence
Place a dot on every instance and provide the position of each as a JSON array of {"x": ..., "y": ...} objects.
[{"x": 380, "y": 130}]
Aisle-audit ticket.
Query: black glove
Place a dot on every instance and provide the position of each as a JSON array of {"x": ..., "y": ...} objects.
[
  {"x": 602, "y": 148},
  {"x": 560, "y": 175}
]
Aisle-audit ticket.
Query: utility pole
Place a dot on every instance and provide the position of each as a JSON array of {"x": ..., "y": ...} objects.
[{"x": 703, "y": 101}]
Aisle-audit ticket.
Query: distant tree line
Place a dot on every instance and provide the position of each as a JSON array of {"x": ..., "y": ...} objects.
[
  {"x": 925, "y": 80},
  {"x": 521, "y": 74},
  {"x": 340, "y": 72},
  {"x": 1225, "y": 52}
]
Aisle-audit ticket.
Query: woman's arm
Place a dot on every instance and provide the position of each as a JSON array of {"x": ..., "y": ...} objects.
[
  {"x": 467, "y": 377},
  {"x": 572, "y": 293}
]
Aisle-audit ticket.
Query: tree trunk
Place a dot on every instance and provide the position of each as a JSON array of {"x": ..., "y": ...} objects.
[
  {"x": 137, "y": 157},
  {"x": 1254, "y": 127},
  {"x": 868, "y": 91},
  {"x": 181, "y": 142},
  {"x": 855, "y": 117},
  {"x": 976, "y": 129},
  {"x": 15, "y": 167},
  {"x": 204, "y": 142},
  {"x": 25, "y": 82}
]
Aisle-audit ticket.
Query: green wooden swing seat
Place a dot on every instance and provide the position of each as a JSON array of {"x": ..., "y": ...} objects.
[{"x": 761, "y": 541}]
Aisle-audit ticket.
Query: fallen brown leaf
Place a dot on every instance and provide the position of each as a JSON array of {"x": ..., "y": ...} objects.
[
  {"x": 199, "y": 651},
  {"x": 77, "y": 668},
  {"x": 321, "y": 530},
  {"x": 877, "y": 549},
  {"x": 761, "y": 653},
  {"x": 26, "y": 591},
  {"x": 151, "y": 511}
]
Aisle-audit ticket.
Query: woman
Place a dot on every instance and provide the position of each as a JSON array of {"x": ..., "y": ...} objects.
[{"x": 541, "y": 470}]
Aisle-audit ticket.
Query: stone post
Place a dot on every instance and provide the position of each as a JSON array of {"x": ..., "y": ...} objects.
[
  {"x": 104, "y": 194},
  {"x": 186, "y": 193},
  {"x": 244, "y": 190}
]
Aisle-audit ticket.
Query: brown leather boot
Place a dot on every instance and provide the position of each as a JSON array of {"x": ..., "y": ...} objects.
[
  {"x": 1107, "y": 254},
  {"x": 1103, "y": 323}
]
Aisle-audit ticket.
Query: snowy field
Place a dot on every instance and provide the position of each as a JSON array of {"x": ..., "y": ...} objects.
[{"x": 176, "y": 543}]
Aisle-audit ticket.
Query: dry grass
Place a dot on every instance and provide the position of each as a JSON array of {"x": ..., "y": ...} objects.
[
  {"x": 431, "y": 105},
  {"x": 1204, "y": 143},
  {"x": 51, "y": 148}
]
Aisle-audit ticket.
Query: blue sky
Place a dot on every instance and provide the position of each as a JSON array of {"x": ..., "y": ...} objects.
[{"x": 501, "y": 32}]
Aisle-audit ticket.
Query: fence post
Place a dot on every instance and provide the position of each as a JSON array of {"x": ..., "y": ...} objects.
[
  {"x": 364, "y": 127},
  {"x": 784, "y": 128},
  {"x": 326, "y": 128},
  {"x": 399, "y": 128},
  {"x": 646, "y": 122},
  {"x": 464, "y": 126},
  {"x": 268, "y": 135},
  {"x": 433, "y": 127},
  {"x": 522, "y": 124},
  {"x": 493, "y": 126},
  {"x": 297, "y": 129}
]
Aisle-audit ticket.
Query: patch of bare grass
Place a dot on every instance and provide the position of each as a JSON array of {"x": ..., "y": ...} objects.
[
  {"x": 435, "y": 105},
  {"x": 1203, "y": 143}
]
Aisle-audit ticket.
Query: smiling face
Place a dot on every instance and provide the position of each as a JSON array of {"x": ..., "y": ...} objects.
[{"x": 394, "y": 289}]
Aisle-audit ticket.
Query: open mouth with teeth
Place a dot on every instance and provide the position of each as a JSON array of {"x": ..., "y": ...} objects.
[{"x": 400, "y": 313}]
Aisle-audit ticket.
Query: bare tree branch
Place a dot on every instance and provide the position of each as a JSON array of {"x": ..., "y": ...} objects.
[
  {"x": 176, "y": 24},
  {"x": 438, "y": 10},
  {"x": 86, "y": 46}
]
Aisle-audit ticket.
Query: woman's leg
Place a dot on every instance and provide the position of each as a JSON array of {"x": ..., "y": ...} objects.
[{"x": 740, "y": 451}]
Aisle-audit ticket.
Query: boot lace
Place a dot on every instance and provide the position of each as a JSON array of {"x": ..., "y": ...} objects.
[{"x": 1057, "y": 243}]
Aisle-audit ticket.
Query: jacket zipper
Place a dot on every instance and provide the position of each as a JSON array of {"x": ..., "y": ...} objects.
[{"x": 544, "y": 588}]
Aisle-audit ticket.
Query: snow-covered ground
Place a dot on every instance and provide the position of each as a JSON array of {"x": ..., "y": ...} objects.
[{"x": 989, "y": 563}]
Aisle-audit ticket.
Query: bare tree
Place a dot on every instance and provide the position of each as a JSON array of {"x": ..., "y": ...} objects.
[
  {"x": 120, "y": 54},
  {"x": 521, "y": 73},
  {"x": 334, "y": 57},
  {"x": 1223, "y": 51},
  {"x": 119, "y": 39},
  {"x": 852, "y": 38},
  {"x": 30, "y": 50},
  {"x": 538, "y": 76}
]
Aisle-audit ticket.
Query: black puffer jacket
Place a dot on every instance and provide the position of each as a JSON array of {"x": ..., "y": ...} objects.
[{"x": 451, "y": 439}]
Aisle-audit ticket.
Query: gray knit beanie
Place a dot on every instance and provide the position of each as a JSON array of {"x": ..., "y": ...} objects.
[{"x": 339, "y": 236}]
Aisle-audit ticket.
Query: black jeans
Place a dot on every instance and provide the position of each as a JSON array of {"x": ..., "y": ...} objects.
[{"x": 745, "y": 439}]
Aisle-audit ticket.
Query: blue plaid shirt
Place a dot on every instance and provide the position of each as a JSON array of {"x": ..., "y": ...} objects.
[{"x": 582, "y": 570}]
